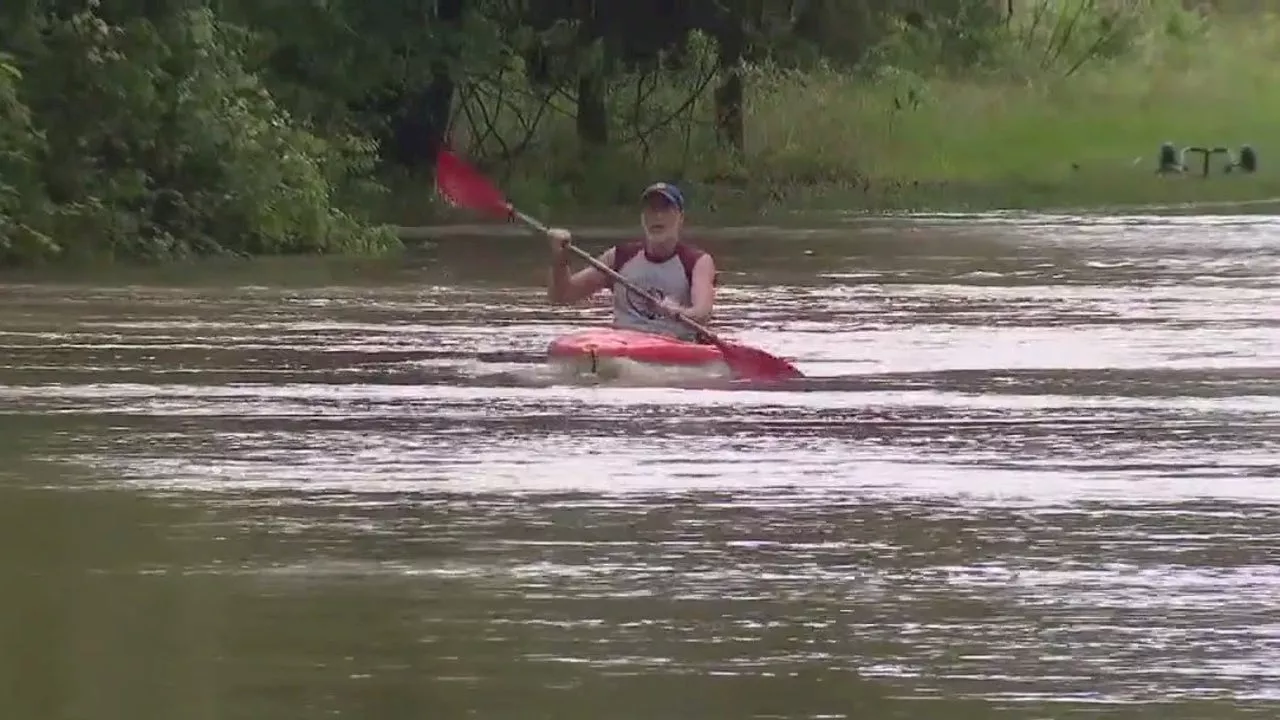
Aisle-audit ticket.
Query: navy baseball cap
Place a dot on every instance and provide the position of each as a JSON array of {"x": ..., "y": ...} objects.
[{"x": 666, "y": 190}]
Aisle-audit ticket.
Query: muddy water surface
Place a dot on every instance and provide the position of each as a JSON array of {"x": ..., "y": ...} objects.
[{"x": 1035, "y": 473}]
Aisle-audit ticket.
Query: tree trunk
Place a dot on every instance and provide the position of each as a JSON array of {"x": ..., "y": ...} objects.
[
  {"x": 593, "y": 116},
  {"x": 730, "y": 123},
  {"x": 422, "y": 125}
]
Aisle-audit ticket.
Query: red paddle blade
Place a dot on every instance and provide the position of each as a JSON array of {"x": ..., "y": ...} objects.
[
  {"x": 463, "y": 186},
  {"x": 749, "y": 363}
]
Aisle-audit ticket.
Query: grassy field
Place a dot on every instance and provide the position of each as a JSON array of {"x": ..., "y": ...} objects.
[
  {"x": 1060, "y": 123},
  {"x": 1086, "y": 139}
]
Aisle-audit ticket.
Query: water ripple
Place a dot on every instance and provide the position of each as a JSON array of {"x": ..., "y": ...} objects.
[{"x": 1035, "y": 466}]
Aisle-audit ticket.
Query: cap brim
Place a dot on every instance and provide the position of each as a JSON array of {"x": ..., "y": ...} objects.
[{"x": 664, "y": 194}]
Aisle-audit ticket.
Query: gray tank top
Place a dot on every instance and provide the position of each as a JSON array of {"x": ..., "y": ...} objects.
[{"x": 670, "y": 278}]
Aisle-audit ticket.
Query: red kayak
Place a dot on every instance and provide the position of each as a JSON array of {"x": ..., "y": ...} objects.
[{"x": 613, "y": 351}]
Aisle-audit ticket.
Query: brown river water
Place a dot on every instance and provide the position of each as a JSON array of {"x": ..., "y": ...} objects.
[{"x": 1035, "y": 473}]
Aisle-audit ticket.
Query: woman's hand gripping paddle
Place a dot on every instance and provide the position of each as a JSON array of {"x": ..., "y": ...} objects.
[{"x": 463, "y": 186}]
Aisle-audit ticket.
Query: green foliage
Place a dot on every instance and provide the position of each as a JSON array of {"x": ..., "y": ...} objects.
[
  {"x": 22, "y": 203},
  {"x": 1060, "y": 99},
  {"x": 145, "y": 137},
  {"x": 663, "y": 117},
  {"x": 176, "y": 128},
  {"x": 1043, "y": 37}
]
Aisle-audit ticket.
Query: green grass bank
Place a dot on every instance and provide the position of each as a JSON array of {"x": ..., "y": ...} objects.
[{"x": 1055, "y": 121}]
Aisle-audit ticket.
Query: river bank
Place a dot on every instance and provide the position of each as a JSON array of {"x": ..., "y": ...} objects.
[
  {"x": 1056, "y": 127},
  {"x": 824, "y": 205},
  {"x": 1064, "y": 108}
]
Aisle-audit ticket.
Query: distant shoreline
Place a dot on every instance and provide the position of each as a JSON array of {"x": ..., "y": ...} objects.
[{"x": 827, "y": 222}]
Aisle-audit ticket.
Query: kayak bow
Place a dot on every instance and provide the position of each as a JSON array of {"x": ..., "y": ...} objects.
[{"x": 616, "y": 352}]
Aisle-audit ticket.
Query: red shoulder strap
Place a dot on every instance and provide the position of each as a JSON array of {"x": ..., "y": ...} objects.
[
  {"x": 623, "y": 252},
  {"x": 689, "y": 257}
]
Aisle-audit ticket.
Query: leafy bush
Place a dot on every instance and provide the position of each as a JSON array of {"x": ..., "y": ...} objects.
[{"x": 147, "y": 138}]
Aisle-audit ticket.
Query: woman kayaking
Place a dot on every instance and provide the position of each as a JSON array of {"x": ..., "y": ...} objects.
[{"x": 680, "y": 275}]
